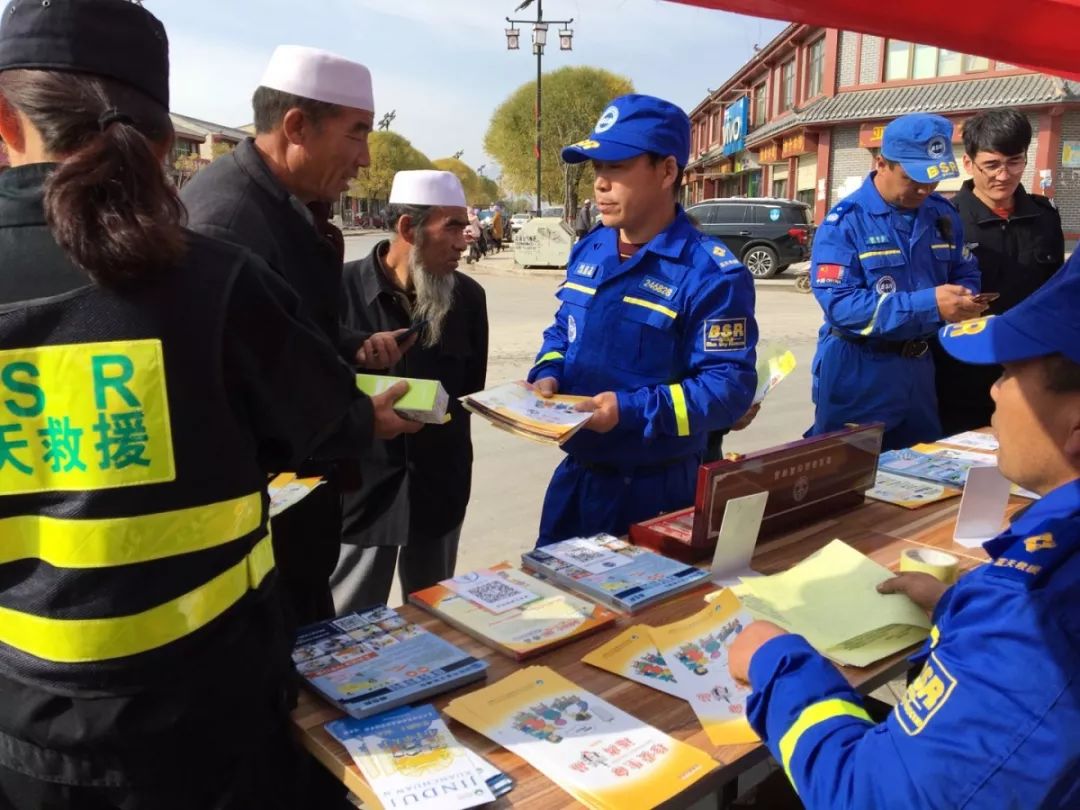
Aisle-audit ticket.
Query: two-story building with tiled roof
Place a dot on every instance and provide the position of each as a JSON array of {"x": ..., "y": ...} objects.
[{"x": 803, "y": 118}]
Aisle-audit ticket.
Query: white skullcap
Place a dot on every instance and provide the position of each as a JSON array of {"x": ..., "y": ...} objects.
[
  {"x": 320, "y": 76},
  {"x": 427, "y": 187}
]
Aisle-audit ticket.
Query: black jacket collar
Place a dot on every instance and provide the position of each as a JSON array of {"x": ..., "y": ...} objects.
[
  {"x": 967, "y": 202},
  {"x": 22, "y": 190}
]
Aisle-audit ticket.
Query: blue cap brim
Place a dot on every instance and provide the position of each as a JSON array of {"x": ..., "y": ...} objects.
[
  {"x": 604, "y": 150},
  {"x": 919, "y": 171},
  {"x": 986, "y": 341}
]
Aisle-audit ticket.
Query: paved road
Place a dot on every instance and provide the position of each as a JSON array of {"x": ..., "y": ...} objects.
[{"x": 510, "y": 474}]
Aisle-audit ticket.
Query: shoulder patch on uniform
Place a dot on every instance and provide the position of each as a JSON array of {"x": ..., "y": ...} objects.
[
  {"x": 724, "y": 334},
  {"x": 721, "y": 255},
  {"x": 925, "y": 696},
  {"x": 838, "y": 212}
]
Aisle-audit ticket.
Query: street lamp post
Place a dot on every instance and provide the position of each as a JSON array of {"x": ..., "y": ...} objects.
[{"x": 539, "y": 40}]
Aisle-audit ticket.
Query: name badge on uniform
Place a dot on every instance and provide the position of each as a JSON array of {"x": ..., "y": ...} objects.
[
  {"x": 586, "y": 270},
  {"x": 725, "y": 334},
  {"x": 664, "y": 290}
]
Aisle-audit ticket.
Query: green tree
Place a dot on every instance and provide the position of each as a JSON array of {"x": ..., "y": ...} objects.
[
  {"x": 390, "y": 154},
  {"x": 573, "y": 99},
  {"x": 479, "y": 191}
]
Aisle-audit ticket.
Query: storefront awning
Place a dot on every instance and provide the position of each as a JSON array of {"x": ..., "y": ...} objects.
[{"x": 1044, "y": 38}]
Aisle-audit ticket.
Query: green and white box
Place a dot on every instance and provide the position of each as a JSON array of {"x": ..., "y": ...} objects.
[{"x": 426, "y": 400}]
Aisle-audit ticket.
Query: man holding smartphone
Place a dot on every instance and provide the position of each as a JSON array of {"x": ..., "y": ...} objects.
[
  {"x": 411, "y": 504},
  {"x": 1017, "y": 239}
]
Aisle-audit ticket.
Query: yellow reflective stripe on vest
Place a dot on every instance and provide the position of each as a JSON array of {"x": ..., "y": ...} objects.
[
  {"x": 72, "y": 641},
  {"x": 871, "y": 253},
  {"x": 682, "y": 416},
  {"x": 811, "y": 716},
  {"x": 943, "y": 245},
  {"x": 580, "y": 288},
  {"x": 640, "y": 302},
  {"x": 107, "y": 542},
  {"x": 550, "y": 356}
]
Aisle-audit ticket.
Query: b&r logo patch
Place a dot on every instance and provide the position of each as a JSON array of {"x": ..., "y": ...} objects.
[
  {"x": 725, "y": 334},
  {"x": 926, "y": 695}
]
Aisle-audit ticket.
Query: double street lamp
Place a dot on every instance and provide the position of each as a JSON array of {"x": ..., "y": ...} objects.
[{"x": 539, "y": 41}]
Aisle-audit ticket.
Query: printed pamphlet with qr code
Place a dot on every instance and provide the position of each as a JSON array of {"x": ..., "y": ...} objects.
[
  {"x": 512, "y": 612},
  {"x": 625, "y": 577},
  {"x": 369, "y": 662},
  {"x": 517, "y": 408},
  {"x": 599, "y": 754}
]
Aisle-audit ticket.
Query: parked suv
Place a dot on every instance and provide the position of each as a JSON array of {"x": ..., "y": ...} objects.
[{"x": 767, "y": 234}]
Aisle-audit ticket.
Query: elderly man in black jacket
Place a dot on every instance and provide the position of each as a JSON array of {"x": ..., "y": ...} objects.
[
  {"x": 1017, "y": 239},
  {"x": 415, "y": 489},
  {"x": 313, "y": 113}
]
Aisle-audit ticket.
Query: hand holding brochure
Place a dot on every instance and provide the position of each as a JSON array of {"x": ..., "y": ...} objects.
[{"x": 519, "y": 409}]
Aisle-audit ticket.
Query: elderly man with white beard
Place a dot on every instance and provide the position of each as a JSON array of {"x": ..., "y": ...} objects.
[{"x": 411, "y": 504}]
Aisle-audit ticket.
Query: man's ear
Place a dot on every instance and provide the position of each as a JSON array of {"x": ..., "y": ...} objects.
[
  {"x": 11, "y": 130},
  {"x": 405, "y": 228},
  {"x": 295, "y": 126}
]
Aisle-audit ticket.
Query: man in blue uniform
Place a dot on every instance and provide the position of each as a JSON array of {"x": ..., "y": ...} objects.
[
  {"x": 888, "y": 268},
  {"x": 990, "y": 721},
  {"x": 656, "y": 324}
]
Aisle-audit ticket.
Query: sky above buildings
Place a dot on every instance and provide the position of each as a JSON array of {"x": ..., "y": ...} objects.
[{"x": 442, "y": 65}]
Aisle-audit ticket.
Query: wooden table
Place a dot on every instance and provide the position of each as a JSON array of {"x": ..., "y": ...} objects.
[{"x": 879, "y": 530}]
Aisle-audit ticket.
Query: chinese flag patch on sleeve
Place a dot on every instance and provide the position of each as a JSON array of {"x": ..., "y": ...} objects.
[{"x": 829, "y": 274}]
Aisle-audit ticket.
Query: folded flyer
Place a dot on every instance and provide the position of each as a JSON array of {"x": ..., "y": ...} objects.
[
  {"x": 774, "y": 364},
  {"x": 910, "y": 493},
  {"x": 633, "y": 655},
  {"x": 623, "y": 576},
  {"x": 410, "y": 759},
  {"x": 365, "y": 663},
  {"x": 601, "y": 756},
  {"x": 510, "y": 611},
  {"x": 286, "y": 490},
  {"x": 696, "y": 649},
  {"x": 518, "y": 408}
]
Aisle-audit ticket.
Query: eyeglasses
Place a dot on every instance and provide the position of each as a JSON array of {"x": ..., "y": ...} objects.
[{"x": 993, "y": 168}]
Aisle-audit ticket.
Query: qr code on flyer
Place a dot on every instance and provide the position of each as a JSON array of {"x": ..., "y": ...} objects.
[
  {"x": 584, "y": 556},
  {"x": 492, "y": 592}
]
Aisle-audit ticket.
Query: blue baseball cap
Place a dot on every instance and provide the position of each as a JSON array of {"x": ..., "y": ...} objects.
[
  {"x": 632, "y": 125},
  {"x": 922, "y": 144},
  {"x": 1044, "y": 324}
]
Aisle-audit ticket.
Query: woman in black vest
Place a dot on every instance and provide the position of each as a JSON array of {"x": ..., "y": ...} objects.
[{"x": 150, "y": 379}]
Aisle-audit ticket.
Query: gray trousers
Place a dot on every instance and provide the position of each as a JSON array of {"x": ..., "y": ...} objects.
[{"x": 365, "y": 574}]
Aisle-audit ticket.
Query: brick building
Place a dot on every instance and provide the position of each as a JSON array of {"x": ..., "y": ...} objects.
[{"x": 803, "y": 118}]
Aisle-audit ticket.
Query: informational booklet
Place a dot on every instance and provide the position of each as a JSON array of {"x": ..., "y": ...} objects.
[
  {"x": 774, "y": 364},
  {"x": 940, "y": 464},
  {"x": 625, "y": 577},
  {"x": 972, "y": 440},
  {"x": 510, "y": 611},
  {"x": 633, "y": 655},
  {"x": 365, "y": 663},
  {"x": 696, "y": 649},
  {"x": 604, "y": 758},
  {"x": 287, "y": 490},
  {"x": 910, "y": 493},
  {"x": 411, "y": 760},
  {"x": 831, "y": 599},
  {"x": 518, "y": 408}
]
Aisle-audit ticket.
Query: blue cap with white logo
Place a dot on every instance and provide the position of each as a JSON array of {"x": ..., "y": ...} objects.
[
  {"x": 1042, "y": 324},
  {"x": 922, "y": 144},
  {"x": 632, "y": 125}
]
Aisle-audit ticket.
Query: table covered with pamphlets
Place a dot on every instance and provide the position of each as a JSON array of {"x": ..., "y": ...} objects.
[{"x": 587, "y": 680}]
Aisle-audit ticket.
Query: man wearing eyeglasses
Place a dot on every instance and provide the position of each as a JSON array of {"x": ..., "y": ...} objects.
[{"x": 1017, "y": 238}]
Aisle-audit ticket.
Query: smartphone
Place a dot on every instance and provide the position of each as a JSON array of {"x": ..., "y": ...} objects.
[
  {"x": 985, "y": 298},
  {"x": 412, "y": 330}
]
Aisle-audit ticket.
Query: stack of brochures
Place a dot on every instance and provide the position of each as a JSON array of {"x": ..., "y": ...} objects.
[
  {"x": 410, "y": 759},
  {"x": 947, "y": 461},
  {"x": 286, "y": 490},
  {"x": 511, "y": 612},
  {"x": 517, "y": 407},
  {"x": 603, "y": 757},
  {"x": 615, "y": 573},
  {"x": 369, "y": 662},
  {"x": 831, "y": 599}
]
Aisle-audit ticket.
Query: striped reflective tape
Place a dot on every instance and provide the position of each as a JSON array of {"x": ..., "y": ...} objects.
[
  {"x": 682, "y": 415},
  {"x": 73, "y": 641},
  {"x": 107, "y": 542},
  {"x": 641, "y": 302},
  {"x": 872, "y": 253},
  {"x": 811, "y": 716},
  {"x": 569, "y": 285}
]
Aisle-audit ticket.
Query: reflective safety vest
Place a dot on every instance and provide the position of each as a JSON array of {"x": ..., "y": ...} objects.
[{"x": 133, "y": 527}]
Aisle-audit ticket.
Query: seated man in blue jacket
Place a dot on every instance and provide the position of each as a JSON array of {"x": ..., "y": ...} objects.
[
  {"x": 656, "y": 325},
  {"x": 991, "y": 720}
]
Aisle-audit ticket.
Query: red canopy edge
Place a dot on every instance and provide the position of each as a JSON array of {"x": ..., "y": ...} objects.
[{"x": 1039, "y": 34}]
